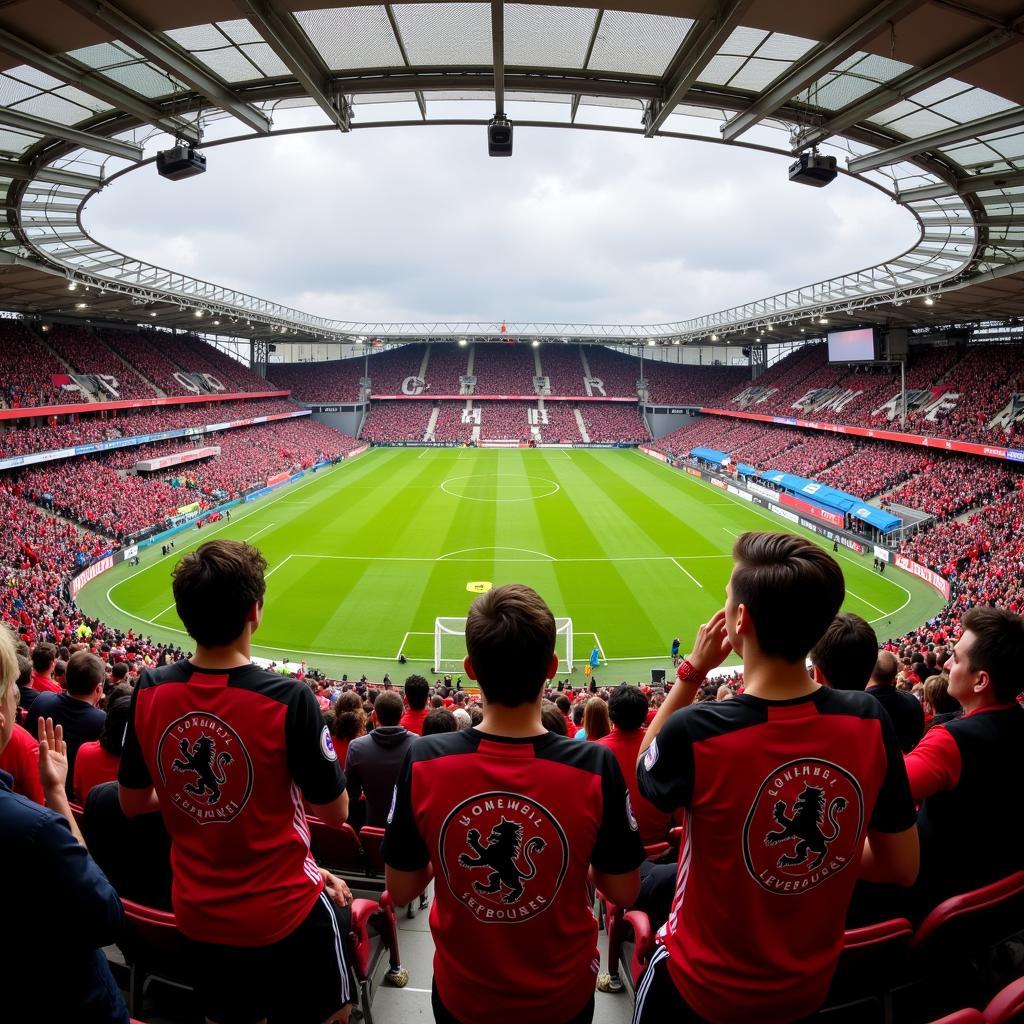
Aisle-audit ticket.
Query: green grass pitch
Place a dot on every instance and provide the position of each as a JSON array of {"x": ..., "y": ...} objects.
[{"x": 363, "y": 557}]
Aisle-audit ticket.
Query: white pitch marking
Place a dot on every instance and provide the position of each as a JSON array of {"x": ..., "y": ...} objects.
[
  {"x": 864, "y": 600},
  {"x": 732, "y": 533},
  {"x": 401, "y": 646},
  {"x": 258, "y": 532},
  {"x": 495, "y": 547},
  {"x": 688, "y": 573},
  {"x": 284, "y": 561}
]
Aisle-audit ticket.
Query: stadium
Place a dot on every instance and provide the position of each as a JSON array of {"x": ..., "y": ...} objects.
[{"x": 389, "y": 473}]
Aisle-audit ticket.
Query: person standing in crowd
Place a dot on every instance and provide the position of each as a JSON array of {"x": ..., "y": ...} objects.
[
  {"x": 417, "y": 692},
  {"x": 228, "y": 752},
  {"x": 72, "y": 912},
  {"x": 374, "y": 760},
  {"x": 781, "y": 786},
  {"x": 513, "y": 818},
  {"x": 845, "y": 656},
  {"x": 904, "y": 708},
  {"x": 44, "y": 657}
]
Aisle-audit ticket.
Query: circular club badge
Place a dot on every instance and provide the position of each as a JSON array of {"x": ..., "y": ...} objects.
[
  {"x": 504, "y": 856},
  {"x": 204, "y": 768},
  {"x": 803, "y": 827}
]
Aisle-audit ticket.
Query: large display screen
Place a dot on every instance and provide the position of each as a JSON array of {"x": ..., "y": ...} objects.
[{"x": 852, "y": 346}]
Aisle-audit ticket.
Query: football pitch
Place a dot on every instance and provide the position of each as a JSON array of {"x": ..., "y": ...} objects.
[{"x": 364, "y": 556}]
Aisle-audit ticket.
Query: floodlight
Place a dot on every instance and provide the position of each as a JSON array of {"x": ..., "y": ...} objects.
[
  {"x": 180, "y": 162},
  {"x": 499, "y": 136}
]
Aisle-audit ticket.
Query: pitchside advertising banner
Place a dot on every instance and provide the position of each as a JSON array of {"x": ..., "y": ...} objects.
[
  {"x": 137, "y": 403},
  {"x": 127, "y": 442},
  {"x": 807, "y": 508},
  {"x": 971, "y": 448},
  {"x": 922, "y": 572}
]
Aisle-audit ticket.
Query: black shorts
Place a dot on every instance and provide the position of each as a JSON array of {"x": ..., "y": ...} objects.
[
  {"x": 300, "y": 979},
  {"x": 658, "y": 999},
  {"x": 443, "y": 1016}
]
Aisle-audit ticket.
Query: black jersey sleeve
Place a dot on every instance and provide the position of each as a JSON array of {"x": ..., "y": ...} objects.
[
  {"x": 312, "y": 761},
  {"x": 404, "y": 848},
  {"x": 665, "y": 772},
  {"x": 132, "y": 773},
  {"x": 618, "y": 848},
  {"x": 894, "y": 810}
]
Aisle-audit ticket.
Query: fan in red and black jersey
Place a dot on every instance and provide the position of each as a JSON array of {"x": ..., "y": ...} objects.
[
  {"x": 509, "y": 819},
  {"x": 791, "y": 791},
  {"x": 228, "y": 752}
]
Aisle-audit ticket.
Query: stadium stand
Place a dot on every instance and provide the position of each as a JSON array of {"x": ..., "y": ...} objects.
[
  {"x": 389, "y": 369},
  {"x": 503, "y": 369},
  {"x": 505, "y": 420},
  {"x": 617, "y": 371},
  {"x": 613, "y": 422},
  {"x": 686, "y": 384},
  {"x": 396, "y": 421},
  {"x": 145, "y": 352},
  {"x": 446, "y": 364},
  {"x": 87, "y": 354},
  {"x": 449, "y": 425},
  {"x": 333, "y": 381},
  {"x": 29, "y": 367},
  {"x": 562, "y": 426},
  {"x": 562, "y": 365}
]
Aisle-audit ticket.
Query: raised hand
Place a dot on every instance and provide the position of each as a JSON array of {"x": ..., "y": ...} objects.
[
  {"x": 712, "y": 644},
  {"x": 53, "y": 756}
]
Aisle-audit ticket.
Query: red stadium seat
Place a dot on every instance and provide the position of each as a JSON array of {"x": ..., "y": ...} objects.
[
  {"x": 973, "y": 920},
  {"x": 1008, "y": 1005},
  {"x": 372, "y": 839},
  {"x": 365, "y": 959},
  {"x": 153, "y": 948},
  {"x": 337, "y": 849}
]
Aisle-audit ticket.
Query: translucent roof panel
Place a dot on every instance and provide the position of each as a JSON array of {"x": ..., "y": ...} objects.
[
  {"x": 121, "y": 64},
  {"x": 540, "y": 36},
  {"x": 856, "y": 76},
  {"x": 752, "y": 58},
  {"x": 233, "y": 50},
  {"x": 639, "y": 43},
  {"x": 352, "y": 37},
  {"x": 445, "y": 33}
]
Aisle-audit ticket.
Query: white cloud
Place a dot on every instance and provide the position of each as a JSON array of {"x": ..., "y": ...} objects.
[{"x": 410, "y": 224}]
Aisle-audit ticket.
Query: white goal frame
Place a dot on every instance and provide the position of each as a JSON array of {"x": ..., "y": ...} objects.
[{"x": 450, "y": 626}]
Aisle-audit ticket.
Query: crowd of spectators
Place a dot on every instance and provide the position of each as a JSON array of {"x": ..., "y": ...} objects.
[
  {"x": 618, "y": 372},
  {"x": 562, "y": 365},
  {"x": 28, "y": 370},
  {"x": 505, "y": 420},
  {"x": 197, "y": 356},
  {"x": 813, "y": 454},
  {"x": 687, "y": 384},
  {"x": 876, "y": 467},
  {"x": 612, "y": 421},
  {"x": 144, "y": 350},
  {"x": 503, "y": 369},
  {"x": 91, "y": 427},
  {"x": 955, "y": 483},
  {"x": 447, "y": 363},
  {"x": 335, "y": 380},
  {"x": 396, "y": 421},
  {"x": 562, "y": 426},
  {"x": 449, "y": 426},
  {"x": 87, "y": 354},
  {"x": 100, "y": 493}
]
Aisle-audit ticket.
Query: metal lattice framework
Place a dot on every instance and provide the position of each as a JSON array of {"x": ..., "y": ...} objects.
[{"x": 919, "y": 98}]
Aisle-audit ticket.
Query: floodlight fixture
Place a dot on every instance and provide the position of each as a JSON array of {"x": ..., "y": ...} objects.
[
  {"x": 714, "y": 337},
  {"x": 72, "y": 286},
  {"x": 499, "y": 136}
]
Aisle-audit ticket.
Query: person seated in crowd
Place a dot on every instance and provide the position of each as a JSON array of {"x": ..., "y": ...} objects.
[
  {"x": 748, "y": 772},
  {"x": 374, "y": 760},
  {"x": 938, "y": 705},
  {"x": 438, "y": 721},
  {"x": 98, "y": 759},
  {"x": 965, "y": 772},
  {"x": 226, "y": 752},
  {"x": 511, "y": 946},
  {"x": 65, "y": 906},
  {"x": 845, "y": 656},
  {"x": 904, "y": 708},
  {"x": 596, "y": 724},
  {"x": 20, "y": 758},
  {"x": 44, "y": 657},
  {"x": 417, "y": 690},
  {"x": 76, "y": 710}
]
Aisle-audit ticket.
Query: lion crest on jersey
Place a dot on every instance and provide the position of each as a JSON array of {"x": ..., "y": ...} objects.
[
  {"x": 499, "y": 858},
  {"x": 504, "y": 856},
  {"x": 804, "y": 826},
  {"x": 199, "y": 760},
  {"x": 205, "y": 770}
]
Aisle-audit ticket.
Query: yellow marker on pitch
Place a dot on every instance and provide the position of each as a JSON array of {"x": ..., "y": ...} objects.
[{"x": 480, "y": 587}]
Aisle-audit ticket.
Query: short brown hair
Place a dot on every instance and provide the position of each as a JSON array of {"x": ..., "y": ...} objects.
[
  {"x": 846, "y": 653},
  {"x": 792, "y": 589},
  {"x": 214, "y": 588},
  {"x": 43, "y": 657},
  {"x": 998, "y": 648},
  {"x": 510, "y": 638},
  {"x": 389, "y": 708},
  {"x": 85, "y": 672}
]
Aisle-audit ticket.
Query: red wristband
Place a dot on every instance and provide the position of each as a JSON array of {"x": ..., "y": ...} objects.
[{"x": 688, "y": 674}]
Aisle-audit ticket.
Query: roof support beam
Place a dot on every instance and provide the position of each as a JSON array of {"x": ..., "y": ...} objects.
[
  {"x": 53, "y": 175},
  {"x": 390, "y": 12},
  {"x": 965, "y": 186},
  {"x": 40, "y": 126},
  {"x": 1005, "y": 121},
  {"x": 175, "y": 60},
  {"x": 91, "y": 81},
  {"x": 906, "y": 85},
  {"x": 702, "y": 42},
  {"x": 290, "y": 43},
  {"x": 586, "y": 62},
  {"x": 498, "y": 54},
  {"x": 821, "y": 59}
]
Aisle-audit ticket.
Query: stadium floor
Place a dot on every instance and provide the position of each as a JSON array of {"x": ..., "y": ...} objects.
[{"x": 363, "y": 557}]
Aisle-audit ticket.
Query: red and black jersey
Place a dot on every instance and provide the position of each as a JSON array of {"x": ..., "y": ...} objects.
[
  {"x": 511, "y": 827},
  {"x": 232, "y": 753},
  {"x": 779, "y": 797}
]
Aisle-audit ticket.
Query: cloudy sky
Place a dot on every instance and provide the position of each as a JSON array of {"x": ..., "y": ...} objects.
[{"x": 419, "y": 224}]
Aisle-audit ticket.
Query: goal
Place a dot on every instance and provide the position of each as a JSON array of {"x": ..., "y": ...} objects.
[{"x": 450, "y": 644}]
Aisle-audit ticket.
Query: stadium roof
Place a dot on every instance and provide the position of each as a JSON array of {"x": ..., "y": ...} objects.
[{"x": 921, "y": 98}]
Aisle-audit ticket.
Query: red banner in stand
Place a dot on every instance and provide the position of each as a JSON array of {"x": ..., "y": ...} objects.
[
  {"x": 497, "y": 398},
  {"x": 945, "y": 444},
  {"x": 832, "y": 518},
  {"x": 135, "y": 403}
]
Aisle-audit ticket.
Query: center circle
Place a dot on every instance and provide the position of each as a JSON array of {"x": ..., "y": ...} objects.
[{"x": 502, "y": 487}]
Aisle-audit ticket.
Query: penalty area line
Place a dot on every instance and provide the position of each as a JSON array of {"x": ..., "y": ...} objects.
[{"x": 688, "y": 573}]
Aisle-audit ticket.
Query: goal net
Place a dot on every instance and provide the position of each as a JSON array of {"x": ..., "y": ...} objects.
[{"x": 450, "y": 644}]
